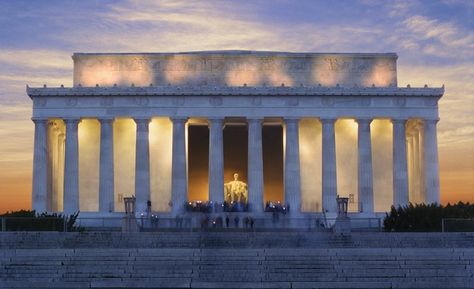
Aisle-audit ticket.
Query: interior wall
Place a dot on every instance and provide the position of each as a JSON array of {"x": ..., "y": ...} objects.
[
  {"x": 161, "y": 146},
  {"x": 272, "y": 146},
  {"x": 89, "y": 157},
  {"x": 124, "y": 160},
  {"x": 56, "y": 154},
  {"x": 235, "y": 152},
  {"x": 198, "y": 163},
  {"x": 382, "y": 163},
  {"x": 310, "y": 138},
  {"x": 347, "y": 161}
]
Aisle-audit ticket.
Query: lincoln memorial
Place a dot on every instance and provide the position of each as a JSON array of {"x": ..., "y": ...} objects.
[{"x": 252, "y": 127}]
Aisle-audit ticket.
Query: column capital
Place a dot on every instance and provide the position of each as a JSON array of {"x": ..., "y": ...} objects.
[
  {"x": 142, "y": 123},
  {"x": 328, "y": 120},
  {"x": 142, "y": 120},
  {"x": 179, "y": 119},
  {"x": 40, "y": 120},
  {"x": 364, "y": 120},
  {"x": 71, "y": 120},
  {"x": 291, "y": 120},
  {"x": 215, "y": 118},
  {"x": 255, "y": 120},
  {"x": 106, "y": 119},
  {"x": 399, "y": 120},
  {"x": 215, "y": 121},
  {"x": 431, "y": 121}
]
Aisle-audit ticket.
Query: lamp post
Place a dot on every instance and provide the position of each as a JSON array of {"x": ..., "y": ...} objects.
[
  {"x": 343, "y": 223},
  {"x": 129, "y": 203},
  {"x": 342, "y": 205},
  {"x": 129, "y": 222}
]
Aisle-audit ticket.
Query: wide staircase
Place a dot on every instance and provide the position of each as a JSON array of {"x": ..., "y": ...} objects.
[{"x": 236, "y": 260}]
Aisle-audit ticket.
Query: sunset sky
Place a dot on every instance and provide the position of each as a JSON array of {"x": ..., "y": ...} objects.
[{"x": 433, "y": 39}]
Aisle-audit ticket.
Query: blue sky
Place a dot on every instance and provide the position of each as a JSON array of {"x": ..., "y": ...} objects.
[{"x": 434, "y": 41}]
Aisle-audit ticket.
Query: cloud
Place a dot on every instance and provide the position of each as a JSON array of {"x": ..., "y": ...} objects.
[
  {"x": 400, "y": 8},
  {"x": 177, "y": 26},
  {"x": 34, "y": 67},
  {"x": 457, "y": 135},
  {"x": 438, "y": 38},
  {"x": 17, "y": 128},
  {"x": 36, "y": 58}
]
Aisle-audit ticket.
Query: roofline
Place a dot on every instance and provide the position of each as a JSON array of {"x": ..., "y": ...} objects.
[{"x": 240, "y": 53}]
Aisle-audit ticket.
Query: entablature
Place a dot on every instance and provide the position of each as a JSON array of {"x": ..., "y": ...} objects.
[{"x": 234, "y": 91}]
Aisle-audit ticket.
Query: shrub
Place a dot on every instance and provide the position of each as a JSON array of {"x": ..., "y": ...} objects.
[
  {"x": 25, "y": 220},
  {"x": 424, "y": 217}
]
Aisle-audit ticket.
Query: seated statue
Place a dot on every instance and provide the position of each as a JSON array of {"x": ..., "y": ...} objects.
[{"x": 235, "y": 191}]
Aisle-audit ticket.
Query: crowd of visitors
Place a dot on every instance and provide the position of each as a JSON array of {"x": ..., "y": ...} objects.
[
  {"x": 277, "y": 206},
  {"x": 228, "y": 221},
  {"x": 225, "y": 214},
  {"x": 210, "y": 207}
]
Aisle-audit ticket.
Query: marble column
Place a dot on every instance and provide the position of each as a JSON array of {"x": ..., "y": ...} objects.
[
  {"x": 142, "y": 164},
  {"x": 411, "y": 171},
  {"x": 179, "y": 181},
  {"x": 40, "y": 166},
  {"x": 417, "y": 173},
  {"x": 365, "y": 183},
  {"x": 329, "y": 176},
  {"x": 292, "y": 166},
  {"x": 216, "y": 160},
  {"x": 431, "y": 162},
  {"x": 71, "y": 167},
  {"x": 420, "y": 165},
  {"x": 106, "y": 169},
  {"x": 255, "y": 165},
  {"x": 400, "y": 165}
]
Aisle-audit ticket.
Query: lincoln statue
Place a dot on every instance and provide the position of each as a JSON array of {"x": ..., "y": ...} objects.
[{"x": 236, "y": 191}]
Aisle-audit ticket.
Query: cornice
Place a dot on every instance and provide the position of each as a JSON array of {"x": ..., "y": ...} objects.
[{"x": 233, "y": 91}]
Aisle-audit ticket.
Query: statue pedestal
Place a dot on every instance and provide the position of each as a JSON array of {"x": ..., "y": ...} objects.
[{"x": 342, "y": 226}]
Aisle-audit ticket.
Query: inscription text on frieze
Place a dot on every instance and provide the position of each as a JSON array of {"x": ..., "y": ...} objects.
[{"x": 234, "y": 69}]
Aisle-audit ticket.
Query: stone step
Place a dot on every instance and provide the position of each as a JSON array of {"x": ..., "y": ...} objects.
[
  {"x": 142, "y": 283},
  {"x": 141, "y": 275},
  {"x": 250, "y": 262},
  {"x": 43, "y": 284},
  {"x": 259, "y": 239}
]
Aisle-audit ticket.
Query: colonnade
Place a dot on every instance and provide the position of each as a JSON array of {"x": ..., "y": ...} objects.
[{"x": 292, "y": 187}]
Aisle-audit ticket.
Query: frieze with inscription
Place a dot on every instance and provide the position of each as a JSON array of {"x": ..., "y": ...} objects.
[{"x": 235, "y": 69}]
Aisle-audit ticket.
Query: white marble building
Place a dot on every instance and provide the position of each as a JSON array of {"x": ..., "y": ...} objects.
[{"x": 122, "y": 130}]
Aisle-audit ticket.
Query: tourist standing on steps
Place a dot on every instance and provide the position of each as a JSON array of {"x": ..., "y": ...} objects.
[
  {"x": 236, "y": 221},
  {"x": 227, "y": 220},
  {"x": 219, "y": 222},
  {"x": 148, "y": 208}
]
